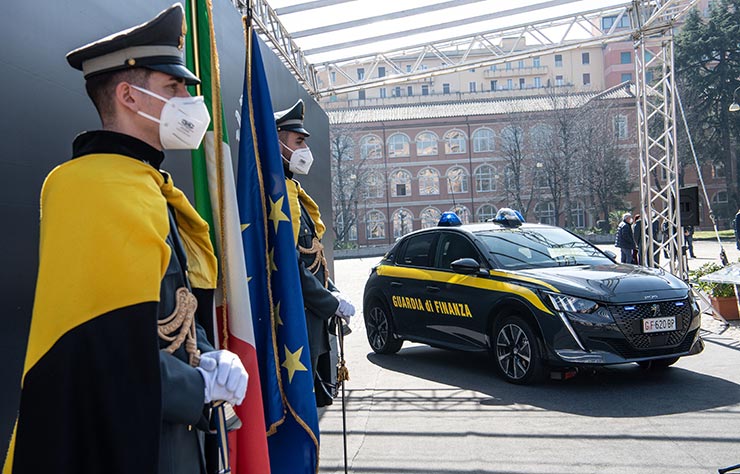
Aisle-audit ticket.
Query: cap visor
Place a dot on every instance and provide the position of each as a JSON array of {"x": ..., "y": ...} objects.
[{"x": 176, "y": 70}]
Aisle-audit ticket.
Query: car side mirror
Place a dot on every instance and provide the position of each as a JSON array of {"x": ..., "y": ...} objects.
[
  {"x": 466, "y": 266},
  {"x": 610, "y": 254}
]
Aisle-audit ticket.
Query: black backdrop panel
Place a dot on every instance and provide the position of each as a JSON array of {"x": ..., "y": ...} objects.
[{"x": 46, "y": 106}]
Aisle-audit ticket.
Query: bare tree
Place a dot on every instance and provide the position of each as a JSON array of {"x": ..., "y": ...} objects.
[
  {"x": 519, "y": 191},
  {"x": 348, "y": 176}
]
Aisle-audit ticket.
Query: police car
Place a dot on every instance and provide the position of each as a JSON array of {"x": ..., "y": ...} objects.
[{"x": 540, "y": 299}]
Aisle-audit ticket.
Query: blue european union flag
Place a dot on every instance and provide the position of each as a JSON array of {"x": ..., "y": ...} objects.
[{"x": 274, "y": 285}]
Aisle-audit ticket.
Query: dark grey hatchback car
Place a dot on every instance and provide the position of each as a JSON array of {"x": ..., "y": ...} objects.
[{"x": 537, "y": 297}]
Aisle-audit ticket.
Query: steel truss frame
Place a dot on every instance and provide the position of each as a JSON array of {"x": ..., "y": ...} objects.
[{"x": 652, "y": 35}]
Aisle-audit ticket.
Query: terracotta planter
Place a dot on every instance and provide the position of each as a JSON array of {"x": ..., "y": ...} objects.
[{"x": 726, "y": 306}]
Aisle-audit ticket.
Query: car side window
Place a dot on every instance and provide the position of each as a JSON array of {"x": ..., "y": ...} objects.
[
  {"x": 454, "y": 246},
  {"x": 418, "y": 251}
]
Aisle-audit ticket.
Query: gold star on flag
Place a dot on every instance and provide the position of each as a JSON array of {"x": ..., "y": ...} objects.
[
  {"x": 276, "y": 212},
  {"x": 244, "y": 227},
  {"x": 271, "y": 255},
  {"x": 293, "y": 363},
  {"x": 277, "y": 314}
]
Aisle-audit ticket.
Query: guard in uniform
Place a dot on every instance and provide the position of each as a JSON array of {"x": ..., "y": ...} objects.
[
  {"x": 321, "y": 298},
  {"x": 118, "y": 373}
]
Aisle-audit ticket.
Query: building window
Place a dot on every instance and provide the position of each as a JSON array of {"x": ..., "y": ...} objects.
[
  {"x": 375, "y": 225},
  {"x": 540, "y": 176},
  {"x": 625, "y": 57},
  {"x": 627, "y": 76},
  {"x": 408, "y": 68},
  {"x": 545, "y": 212},
  {"x": 649, "y": 76},
  {"x": 398, "y": 145},
  {"x": 509, "y": 84},
  {"x": 620, "y": 127},
  {"x": 521, "y": 83},
  {"x": 485, "y": 179},
  {"x": 361, "y": 94},
  {"x": 403, "y": 222},
  {"x": 541, "y": 137},
  {"x": 424, "y": 89},
  {"x": 457, "y": 180},
  {"x": 471, "y": 85},
  {"x": 463, "y": 213},
  {"x": 509, "y": 178},
  {"x": 446, "y": 88},
  {"x": 428, "y": 182},
  {"x": 360, "y": 73},
  {"x": 720, "y": 197},
  {"x": 494, "y": 85},
  {"x": 537, "y": 82},
  {"x": 429, "y": 217},
  {"x": 426, "y": 144},
  {"x": 520, "y": 64},
  {"x": 409, "y": 90},
  {"x": 493, "y": 67},
  {"x": 578, "y": 216},
  {"x": 486, "y": 212},
  {"x": 374, "y": 186},
  {"x": 558, "y": 80},
  {"x": 483, "y": 140},
  {"x": 718, "y": 170},
  {"x": 351, "y": 232},
  {"x": 558, "y": 60},
  {"x": 608, "y": 21},
  {"x": 397, "y": 91},
  {"x": 586, "y": 79},
  {"x": 585, "y": 58},
  {"x": 454, "y": 142},
  {"x": 536, "y": 61},
  {"x": 370, "y": 147},
  {"x": 400, "y": 183},
  {"x": 382, "y": 93},
  {"x": 381, "y": 71},
  {"x": 508, "y": 66}
]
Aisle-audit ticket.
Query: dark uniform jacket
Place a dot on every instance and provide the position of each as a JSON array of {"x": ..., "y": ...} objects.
[{"x": 98, "y": 395}]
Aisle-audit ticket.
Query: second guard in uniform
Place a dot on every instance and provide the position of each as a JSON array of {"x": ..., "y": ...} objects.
[{"x": 321, "y": 298}]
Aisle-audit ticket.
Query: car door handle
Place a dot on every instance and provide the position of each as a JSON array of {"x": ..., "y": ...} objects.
[
  {"x": 396, "y": 283},
  {"x": 432, "y": 289}
]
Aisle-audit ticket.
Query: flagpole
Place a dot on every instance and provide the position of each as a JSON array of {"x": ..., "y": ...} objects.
[{"x": 342, "y": 375}]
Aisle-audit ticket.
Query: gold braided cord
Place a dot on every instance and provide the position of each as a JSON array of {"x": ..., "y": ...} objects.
[
  {"x": 179, "y": 326},
  {"x": 196, "y": 51},
  {"x": 317, "y": 249}
]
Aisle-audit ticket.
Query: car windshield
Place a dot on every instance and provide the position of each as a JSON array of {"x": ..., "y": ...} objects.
[{"x": 528, "y": 247}]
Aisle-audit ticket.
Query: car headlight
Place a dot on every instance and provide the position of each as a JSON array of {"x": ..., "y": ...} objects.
[{"x": 580, "y": 307}]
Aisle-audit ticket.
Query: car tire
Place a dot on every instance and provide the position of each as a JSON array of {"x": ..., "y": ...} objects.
[
  {"x": 516, "y": 351},
  {"x": 379, "y": 329},
  {"x": 658, "y": 364}
]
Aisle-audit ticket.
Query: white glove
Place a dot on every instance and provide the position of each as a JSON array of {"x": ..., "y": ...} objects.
[
  {"x": 346, "y": 309},
  {"x": 224, "y": 376}
]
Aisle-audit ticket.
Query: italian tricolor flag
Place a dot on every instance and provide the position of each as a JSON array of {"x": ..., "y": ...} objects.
[{"x": 215, "y": 200}]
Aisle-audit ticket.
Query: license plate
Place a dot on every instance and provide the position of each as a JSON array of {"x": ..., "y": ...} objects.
[{"x": 658, "y": 325}]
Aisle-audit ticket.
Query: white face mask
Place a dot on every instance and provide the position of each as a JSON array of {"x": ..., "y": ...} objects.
[
  {"x": 182, "y": 123},
  {"x": 301, "y": 160}
]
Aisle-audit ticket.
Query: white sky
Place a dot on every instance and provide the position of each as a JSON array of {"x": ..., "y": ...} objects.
[{"x": 358, "y": 9}]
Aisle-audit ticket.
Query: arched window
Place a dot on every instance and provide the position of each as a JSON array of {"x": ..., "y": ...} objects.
[
  {"x": 486, "y": 212},
  {"x": 545, "y": 212},
  {"x": 342, "y": 148},
  {"x": 541, "y": 136},
  {"x": 540, "y": 176},
  {"x": 454, "y": 142},
  {"x": 720, "y": 197},
  {"x": 620, "y": 127},
  {"x": 403, "y": 222},
  {"x": 718, "y": 170},
  {"x": 351, "y": 232},
  {"x": 483, "y": 140},
  {"x": 400, "y": 183},
  {"x": 374, "y": 186},
  {"x": 485, "y": 178},
  {"x": 428, "y": 181},
  {"x": 512, "y": 140},
  {"x": 429, "y": 217},
  {"x": 426, "y": 144},
  {"x": 375, "y": 225},
  {"x": 578, "y": 216},
  {"x": 398, "y": 145},
  {"x": 509, "y": 178},
  {"x": 462, "y": 212},
  {"x": 457, "y": 180},
  {"x": 371, "y": 147}
]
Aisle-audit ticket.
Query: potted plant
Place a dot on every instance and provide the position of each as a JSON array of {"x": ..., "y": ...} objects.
[{"x": 722, "y": 295}]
